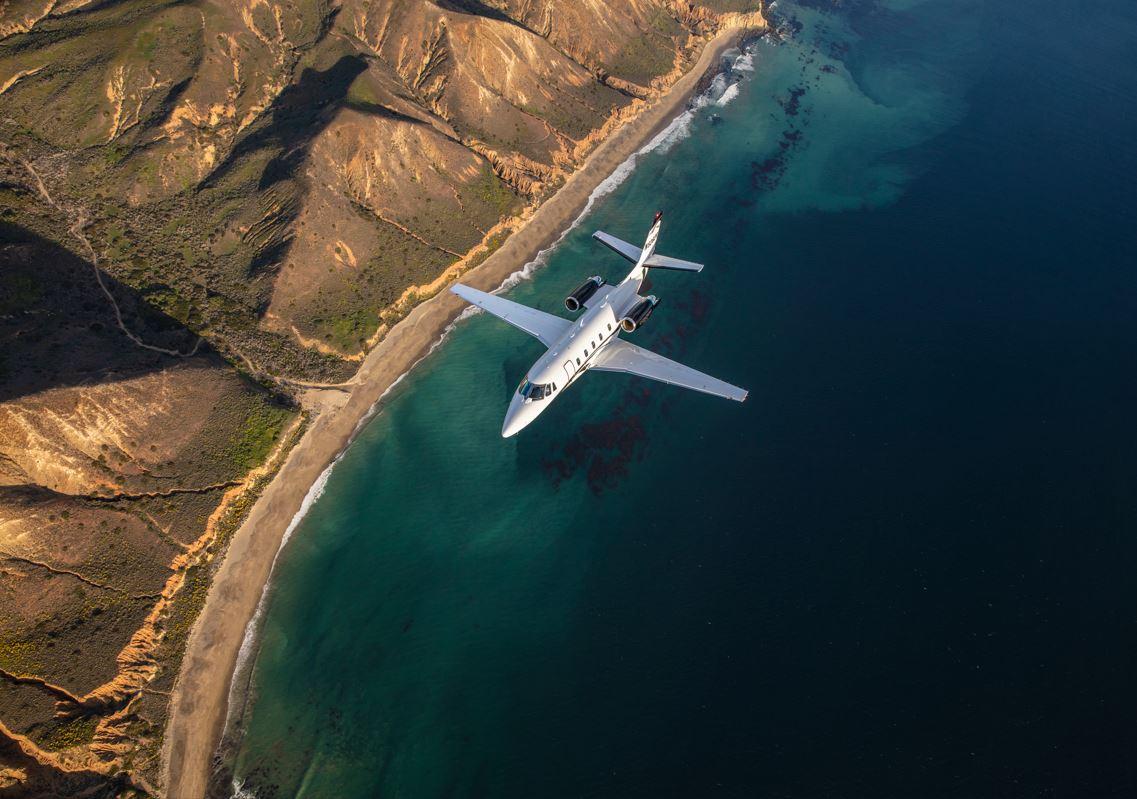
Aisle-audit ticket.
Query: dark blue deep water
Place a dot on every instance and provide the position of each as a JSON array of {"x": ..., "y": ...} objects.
[{"x": 906, "y": 567}]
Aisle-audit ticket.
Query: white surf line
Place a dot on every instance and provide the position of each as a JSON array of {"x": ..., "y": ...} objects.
[{"x": 314, "y": 493}]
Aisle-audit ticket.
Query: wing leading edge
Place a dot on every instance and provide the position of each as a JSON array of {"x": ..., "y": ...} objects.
[
  {"x": 620, "y": 356},
  {"x": 545, "y": 327}
]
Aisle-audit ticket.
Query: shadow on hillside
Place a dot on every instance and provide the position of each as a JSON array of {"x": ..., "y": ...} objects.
[
  {"x": 298, "y": 115},
  {"x": 479, "y": 9},
  {"x": 282, "y": 141},
  {"x": 57, "y": 327}
]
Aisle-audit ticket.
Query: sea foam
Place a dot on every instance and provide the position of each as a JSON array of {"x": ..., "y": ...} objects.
[{"x": 729, "y": 94}]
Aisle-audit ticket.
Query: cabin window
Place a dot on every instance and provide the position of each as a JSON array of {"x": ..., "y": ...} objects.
[
  {"x": 609, "y": 325},
  {"x": 578, "y": 361}
]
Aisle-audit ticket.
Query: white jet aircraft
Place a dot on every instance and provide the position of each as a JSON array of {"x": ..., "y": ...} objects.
[{"x": 593, "y": 341}]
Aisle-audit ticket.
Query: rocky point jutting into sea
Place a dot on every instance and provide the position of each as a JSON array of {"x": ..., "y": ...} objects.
[{"x": 222, "y": 227}]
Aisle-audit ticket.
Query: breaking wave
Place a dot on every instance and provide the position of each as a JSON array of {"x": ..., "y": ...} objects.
[{"x": 729, "y": 94}]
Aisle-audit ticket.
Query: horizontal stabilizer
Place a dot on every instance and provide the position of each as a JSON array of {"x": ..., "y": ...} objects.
[
  {"x": 544, "y": 327},
  {"x": 665, "y": 262},
  {"x": 629, "y": 251},
  {"x": 633, "y": 253},
  {"x": 620, "y": 356}
]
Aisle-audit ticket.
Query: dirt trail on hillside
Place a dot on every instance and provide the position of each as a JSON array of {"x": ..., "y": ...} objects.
[{"x": 78, "y": 222}]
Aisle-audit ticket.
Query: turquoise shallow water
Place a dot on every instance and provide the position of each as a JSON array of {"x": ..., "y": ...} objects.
[{"x": 902, "y": 568}]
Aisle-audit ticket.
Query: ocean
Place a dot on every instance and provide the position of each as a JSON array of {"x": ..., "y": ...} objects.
[{"x": 903, "y": 568}]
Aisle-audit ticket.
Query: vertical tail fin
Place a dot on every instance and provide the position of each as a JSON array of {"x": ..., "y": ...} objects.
[
  {"x": 650, "y": 260},
  {"x": 651, "y": 240}
]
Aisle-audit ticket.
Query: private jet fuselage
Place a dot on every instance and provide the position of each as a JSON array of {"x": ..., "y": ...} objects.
[
  {"x": 569, "y": 358},
  {"x": 593, "y": 341}
]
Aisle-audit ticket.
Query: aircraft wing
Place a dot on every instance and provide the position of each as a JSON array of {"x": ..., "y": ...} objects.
[
  {"x": 620, "y": 356},
  {"x": 545, "y": 327},
  {"x": 629, "y": 251}
]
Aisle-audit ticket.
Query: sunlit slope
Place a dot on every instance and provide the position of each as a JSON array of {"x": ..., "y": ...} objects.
[{"x": 358, "y": 148}]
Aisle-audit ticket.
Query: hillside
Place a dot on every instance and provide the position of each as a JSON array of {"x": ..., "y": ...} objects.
[{"x": 207, "y": 209}]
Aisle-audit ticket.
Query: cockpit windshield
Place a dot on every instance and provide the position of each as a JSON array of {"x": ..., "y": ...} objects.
[{"x": 533, "y": 391}]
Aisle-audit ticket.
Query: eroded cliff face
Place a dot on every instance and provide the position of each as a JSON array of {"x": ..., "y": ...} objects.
[{"x": 189, "y": 189}]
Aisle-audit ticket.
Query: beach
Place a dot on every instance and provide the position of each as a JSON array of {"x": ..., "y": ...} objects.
[{"x": 200, "y": 699}]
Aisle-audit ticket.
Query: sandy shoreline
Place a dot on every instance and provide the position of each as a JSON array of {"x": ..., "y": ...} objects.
[{"x": 199, "y": 702}]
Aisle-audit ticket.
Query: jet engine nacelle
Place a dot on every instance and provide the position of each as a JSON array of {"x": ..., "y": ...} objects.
[
  {"x": 639, "y": 314},
  {"x": 575, "y": 301}
]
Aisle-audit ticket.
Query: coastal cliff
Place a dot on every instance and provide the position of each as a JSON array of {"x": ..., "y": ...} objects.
[{"x": 212, "y": 212}]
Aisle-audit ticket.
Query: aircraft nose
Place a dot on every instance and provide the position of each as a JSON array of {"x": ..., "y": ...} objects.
[{"x": 515, "y": 418}]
